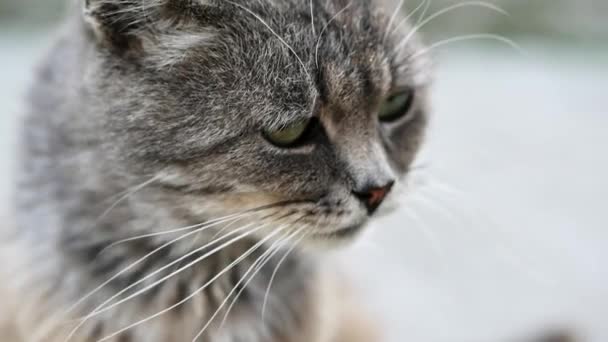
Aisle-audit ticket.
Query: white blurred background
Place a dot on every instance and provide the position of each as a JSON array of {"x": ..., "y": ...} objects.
[{"x": 503, "y": 233}]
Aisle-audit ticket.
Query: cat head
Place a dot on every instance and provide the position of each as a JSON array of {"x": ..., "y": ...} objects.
[{"x": 295, "y": 113}]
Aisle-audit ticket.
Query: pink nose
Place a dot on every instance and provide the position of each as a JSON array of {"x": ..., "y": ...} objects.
[{"x": 373, "y": 196}]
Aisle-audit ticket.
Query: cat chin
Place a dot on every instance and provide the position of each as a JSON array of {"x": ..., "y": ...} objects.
[{"x": 338, "y": 238}]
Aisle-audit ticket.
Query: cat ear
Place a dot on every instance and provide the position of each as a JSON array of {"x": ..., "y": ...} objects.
[
  {"x": 113, "y": 22},
  {"x": 121, "y": 24}
]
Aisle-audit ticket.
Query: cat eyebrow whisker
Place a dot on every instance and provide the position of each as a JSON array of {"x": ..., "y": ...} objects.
[
  {"x": 304, "y": 68},
  {"x": 444, "y": 11},
  {"x": 411, "y": 14},
  {"x": 102, "y": 307},
  {"x": 408, "y": 17},
  {"x": 199, "y": 290},
  {"x": 394, "y": 16},
  {"x": 325, "y": 29},
  {"x": 475, "y": 36},
  {"x": 426, "y": 9}
]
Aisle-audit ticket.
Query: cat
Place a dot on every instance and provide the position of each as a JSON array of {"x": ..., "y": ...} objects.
[{"x": 185, "y": 164}]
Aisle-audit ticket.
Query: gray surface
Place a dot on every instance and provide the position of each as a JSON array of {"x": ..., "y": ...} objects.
[
  {"x": 510, "y": 232},
  {"x": 505, "y": 231}
]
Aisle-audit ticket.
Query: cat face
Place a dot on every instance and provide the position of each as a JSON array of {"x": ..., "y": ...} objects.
[{"x": 300, "y": 114}]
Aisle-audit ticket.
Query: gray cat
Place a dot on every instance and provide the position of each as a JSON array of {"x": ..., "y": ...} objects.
[{"x": 183, "y": 161}]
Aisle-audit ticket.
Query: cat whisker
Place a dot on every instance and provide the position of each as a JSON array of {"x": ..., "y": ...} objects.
[
  {"x": 225, "y": 270},
  {"x": 103, "y": 308},
  {"x": 477, "y": 36},
  {"x": 426, "y": 9},
  {"x": 304, "y": 68},
  {"x": 195, "y": 242},
  {"x": 276, "y": 270},
  {"x": 325, "y": 29},
  {"x": 215, "y": 222},
  {"x": 503, "y": 251},
  {"x": 394, "y": 16},
  {"x": 444, "y": 187},
  {"x": 436, "y": 206},
  {"x": 425, "y": 177},
  {"x": 404, "y": 20},
  {"x": 444, "y": 11},
  {"x": 208, "y": 224},
  {"x": 125, "y": 195},
  {"x": 429, "y": 234},
  {"x": 142, "y": 259},
  {"x": 258, "y": 268},
  {"x": 255, "y": 267},
  {"x": 433, "y": 186},
  {"x": 122, "y": 193},
  {"x": 424, "y": 190}
]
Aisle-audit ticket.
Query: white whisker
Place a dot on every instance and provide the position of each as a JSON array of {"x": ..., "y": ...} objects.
[
  {"x": 211, "y": 223},
  {"x": 276, "y": 270},
  {"x": 139, "y": 261},
  {"x": 431, "y": 203},
  {"x": 431, "y": 237},
  {"x": 125, "y": 195},
  {"x": 408, "y": 17},
  {"x": 426, "y": 9},
  {"x": 226, "y": 269},
  {"x": 258, "y": 268},
  {"x": 474, "y": 218},
  {"x": 102, "y": 307},
  {"x": 206, "y": 255},
  {"x": 255, "y": 267},
  {"x": 445, "y": 11},
  {"x": 393, "y": 17},
  {"x": 478, "y": 36}
]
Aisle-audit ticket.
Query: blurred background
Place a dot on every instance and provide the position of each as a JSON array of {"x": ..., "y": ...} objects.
[{"x": 503, "y": 232}]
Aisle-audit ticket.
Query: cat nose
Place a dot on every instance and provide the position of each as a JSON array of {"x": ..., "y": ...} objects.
[{"x": 373, "y": 195}]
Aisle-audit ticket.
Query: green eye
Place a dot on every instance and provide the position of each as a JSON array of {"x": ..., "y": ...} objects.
[
  {"x": 288, "y": 135},
  {"x": 396, "y": 106}
]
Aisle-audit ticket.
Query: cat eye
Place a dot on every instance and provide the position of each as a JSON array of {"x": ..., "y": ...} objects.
[
  {"x": 396, "y": 106},
  {"x": 288, "y": 136}
]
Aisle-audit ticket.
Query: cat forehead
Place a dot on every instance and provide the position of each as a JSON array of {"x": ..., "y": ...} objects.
[
  {"x": 271, "y": 36},
  {"x": 282, "y": 58},
  {"x": 297, "y": 22}
]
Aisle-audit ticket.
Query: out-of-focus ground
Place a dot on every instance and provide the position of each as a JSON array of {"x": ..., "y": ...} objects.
[{"x": 504, "y": 230}]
